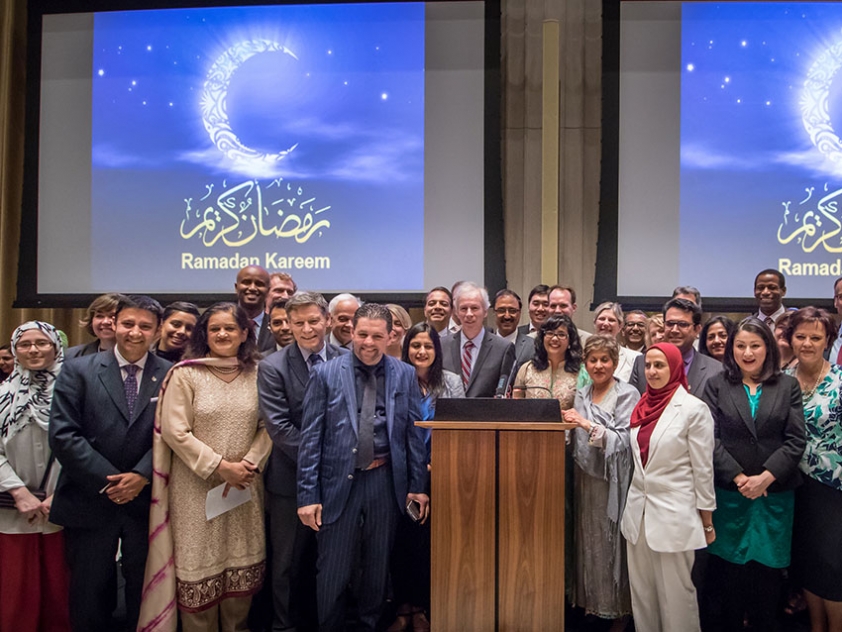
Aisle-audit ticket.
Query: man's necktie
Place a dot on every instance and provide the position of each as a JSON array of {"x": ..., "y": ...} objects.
[
  {"x": 313, "y": 360},
  {"x": 130, "y": 386},
  {"x": 365, "y": 445},
  {"x": 769, "y": 322},
  {"x": 467, "y": 356}
]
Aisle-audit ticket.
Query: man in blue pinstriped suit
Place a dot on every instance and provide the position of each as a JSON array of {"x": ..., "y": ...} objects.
[{"x": 360, "y": 461}]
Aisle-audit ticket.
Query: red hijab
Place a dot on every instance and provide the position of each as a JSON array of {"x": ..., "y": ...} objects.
[{"x": 650, "y": 407}]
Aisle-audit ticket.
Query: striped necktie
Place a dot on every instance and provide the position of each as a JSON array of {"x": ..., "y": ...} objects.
[{"x": 467, "y": 356}]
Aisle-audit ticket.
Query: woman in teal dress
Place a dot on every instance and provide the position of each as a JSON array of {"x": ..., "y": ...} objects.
[
  {"x": 759, "y": 431},
  {"x": 817, "y": 532}
]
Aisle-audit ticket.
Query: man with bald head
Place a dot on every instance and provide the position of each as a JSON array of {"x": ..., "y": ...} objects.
[
  {"x": 252, "y": 287},
  {"x": 478, "y": 356}
]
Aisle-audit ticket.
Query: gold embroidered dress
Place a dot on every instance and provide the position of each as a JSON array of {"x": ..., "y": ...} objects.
[{"x": 203, "y": 420}]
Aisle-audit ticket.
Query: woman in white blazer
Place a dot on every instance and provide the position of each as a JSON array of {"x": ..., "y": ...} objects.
[{"x": 668, "y": 513}]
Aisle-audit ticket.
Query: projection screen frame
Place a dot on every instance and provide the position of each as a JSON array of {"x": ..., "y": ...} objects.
[{"x": 494, "y": 264}]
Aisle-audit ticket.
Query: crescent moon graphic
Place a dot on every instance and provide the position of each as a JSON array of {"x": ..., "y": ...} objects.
[
  {"x": 814, "y": 103},
  {"x": 214, "y": 97}
]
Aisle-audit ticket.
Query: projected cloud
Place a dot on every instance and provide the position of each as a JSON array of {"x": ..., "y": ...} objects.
[{"x": 214, "y": 111}]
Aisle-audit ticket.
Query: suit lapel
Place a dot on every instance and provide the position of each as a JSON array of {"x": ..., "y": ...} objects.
[
  {"x": 739, "y": 399},
  {"x": 768, "y": 403},
  {"x": 390, "y": 396},
  {"x": 112, "y": 380},
  {"x": 668, "y": 417},
  {"x": 148, "y": 385},
  {"x": 350, "y": 390},
  {"x": 298, "y": 366},
  {"x": 483, "y": 352}
]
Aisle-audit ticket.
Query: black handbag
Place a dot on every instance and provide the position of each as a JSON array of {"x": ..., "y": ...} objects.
[{"x": 7, "y": 501}]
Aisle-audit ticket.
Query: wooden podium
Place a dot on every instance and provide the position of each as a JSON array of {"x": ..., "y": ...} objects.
[{"x": 497, "y": 525}]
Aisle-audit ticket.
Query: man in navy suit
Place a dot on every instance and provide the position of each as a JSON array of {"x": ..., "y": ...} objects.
[
  {"x": 101, "y": 433},
  {"x": 281, "y": 381},
  {"x": 361, "y": 461}
]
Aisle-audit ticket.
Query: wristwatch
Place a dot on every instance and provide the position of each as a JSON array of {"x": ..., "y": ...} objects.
[{"x": 709, "y": 528}]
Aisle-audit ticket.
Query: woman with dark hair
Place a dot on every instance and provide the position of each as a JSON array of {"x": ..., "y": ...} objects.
[
  {"x": 817, "y": 533},
  {"x": 788, "y": 359},
  {"x": 208, "y": 420},
  {"x": 177, "y": 326},
  {"x": 98, "y": 322},
  {"x": 553, "y": 371},
  {"x": 668, "y": 508},
  {"x": 601, "y": 452},
  {"x": 411, "y": 555},
  {"x": 759, "y": 426},
  {"x": 34, "y": 582},
  {"x": 714, "y": 336}
]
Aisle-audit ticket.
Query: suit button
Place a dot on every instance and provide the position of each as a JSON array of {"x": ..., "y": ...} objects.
[
  {"x": 354, "y": 451},
  {"x": 350, "y": 477}
]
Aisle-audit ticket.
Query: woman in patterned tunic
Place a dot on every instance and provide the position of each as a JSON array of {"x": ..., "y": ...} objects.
[
  {"x": 209, "y": 420},
  {"x": 817, "y": 532},
  {"x": 553, "y": 372},
  {"x": 602, "y": 411}
]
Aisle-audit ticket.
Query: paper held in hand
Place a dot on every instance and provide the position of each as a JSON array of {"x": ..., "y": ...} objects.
[{"x": 216, "y": 505}]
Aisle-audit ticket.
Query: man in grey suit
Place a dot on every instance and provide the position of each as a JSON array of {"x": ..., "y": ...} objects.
[
  {"x": 360, "y": 463},
  {"x": 281, "y": 382},
  {"x": 484, "y": 360},
  {"x": 101, "y": 432},
  {"x": 682, "y": 323}
]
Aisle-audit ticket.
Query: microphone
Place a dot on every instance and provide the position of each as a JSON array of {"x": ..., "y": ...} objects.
[
  {"x": 536, "y": 388},
  {"x": 510, "y": 381},
  {"x": 500, "y": 393}
]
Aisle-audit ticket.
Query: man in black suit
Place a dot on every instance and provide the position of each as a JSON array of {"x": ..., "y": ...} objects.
[
  {"x": 281, "y": 381},
  {"x": 682, "y": 323},
  {"x": 252, "y": 287},
  {"x": 101, "y": 433},
  {"x": 279, "y": 326},
  {"x": 484, "y": 360},
  {"x": 538, "y": 305}
]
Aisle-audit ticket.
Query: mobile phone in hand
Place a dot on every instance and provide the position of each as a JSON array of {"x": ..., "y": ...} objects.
[{"x": 413, "y": 510}]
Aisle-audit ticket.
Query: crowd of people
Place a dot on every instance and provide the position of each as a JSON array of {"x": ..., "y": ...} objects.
[{"x": 255, "y": 465}]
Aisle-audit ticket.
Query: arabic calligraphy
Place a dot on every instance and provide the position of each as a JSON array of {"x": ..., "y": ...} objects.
[
  {"x": 814, "y": 227},
  {"x": 239, "y": 215}
]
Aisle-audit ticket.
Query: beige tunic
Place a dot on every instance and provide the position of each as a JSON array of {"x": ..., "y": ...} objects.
[{"x": 204, "y": 420}]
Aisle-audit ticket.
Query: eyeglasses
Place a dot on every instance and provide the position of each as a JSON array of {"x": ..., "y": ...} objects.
[
  {"x": 635, "y": 325},
  {"x": 502, "y": 311},
  {"x": 41, "y": 345},
  {"x": 557, "y": 335},
  {"x": 677, "y": 324}
]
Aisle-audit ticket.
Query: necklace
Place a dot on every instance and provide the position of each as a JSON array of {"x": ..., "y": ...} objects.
[
  {"x": 805, "y": 394},
  {"x": 225, "y": 369}
]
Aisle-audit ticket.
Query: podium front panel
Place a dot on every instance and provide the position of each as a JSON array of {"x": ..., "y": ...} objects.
[
  {"x": 531, "y": 523},
  {"x": 463, "y": 536}
]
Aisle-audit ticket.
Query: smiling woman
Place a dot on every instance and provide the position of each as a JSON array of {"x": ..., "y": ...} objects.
[
  {"x": 208, "y": 420},
  {"x": 759, "y": 442}
]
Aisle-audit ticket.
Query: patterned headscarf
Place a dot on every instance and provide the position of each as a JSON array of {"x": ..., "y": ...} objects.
[{"x": 26, "y": 396}]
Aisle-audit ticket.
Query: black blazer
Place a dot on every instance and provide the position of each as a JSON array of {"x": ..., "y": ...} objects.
[
  {"x": 265, "y": 339},
  {"x": 281, "y": 381},
  {"x": 89, "y": 348},
  {"x": 92, "y": 437},
  {"x": 774, "y": 441}
]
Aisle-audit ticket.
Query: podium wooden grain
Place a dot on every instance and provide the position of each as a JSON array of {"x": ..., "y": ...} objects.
[{"x": 497, "y": 526}]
